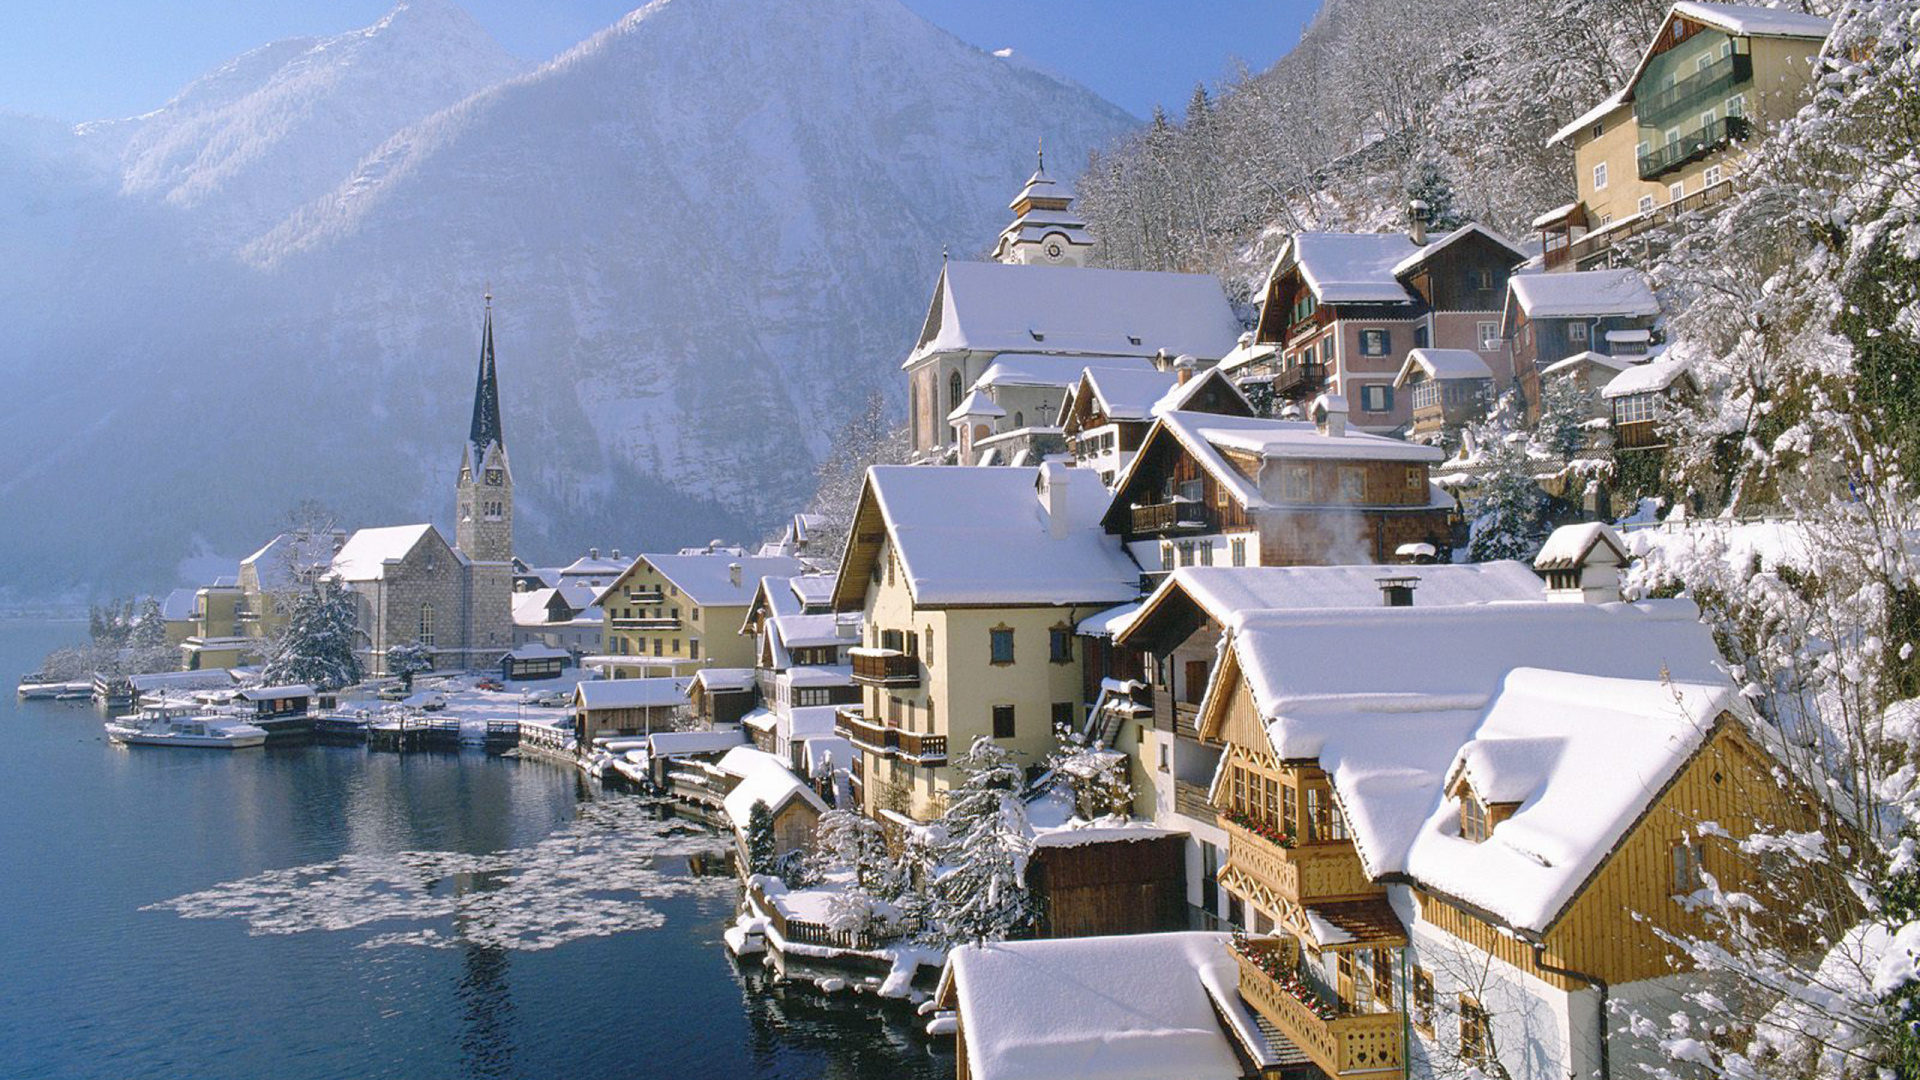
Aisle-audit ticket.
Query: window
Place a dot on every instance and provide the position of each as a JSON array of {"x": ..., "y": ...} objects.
[
  {"x": 1375, "y": 343},
  {"x": 1000, "y": 641},
  {"x": 1377, "y": 397},
  {"x": 1703, "y": 62},
  {"x": 1165, "y": 766},
  {"x": 1673, "y": 135},
  {"x": 1633, "y": 409},
  {"x": 1062, "y": 715},
  {"x": 1476, "y": 1031},
  {"x": 1166, "y": 555},
  {"x": 1646, "y": 204},
  {"x": 1416, "y": 478},
  {"x": 1206, "y": 553},
  {"x": 1600, "y": 176},
  {"x": 1238, "y": 546},
  {"x": 1577, "y": 331},
  {"x": 1489, "y": 337},
  {"x": 928, "y": 655},
  {"x": 1707, "y": 120},
  {"x": 1686, "y": 868},
  {"x": 953, "y": 391},
  {"x": 676, "y": 647},
  {"x": 1420, "y": 991},
  {"x": 425, "y": 636},
  {"x": 1353, "y": 485},
  {"x": 1420, "y": 337},
  {"x": 1289, "y": 812},
  {"x": 693, "y": 648},
  {"x": 1059, "y": 645},
  {"x": 1644, "y": 149},
  {"x": 1473, "y": 818},
  {"x": 659, "y": 646},
  {"x": 1599, "y": 130},
  {"x": 1003, "y": 721},
  {"x": 1186, "y": 552},
  {"x": 1296, "y": 484},
  {"x": 1737, "y": 105},
  {"x": 1426, "y": 394},
  {"x": 1711, "y": 176},
  {"x": 1019, "y": 419},
  {"x": 1326, "y": 350}
]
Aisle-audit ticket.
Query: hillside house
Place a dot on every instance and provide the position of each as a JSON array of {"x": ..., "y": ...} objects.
[
  {"x": 1453, "y": 857},
  {"x": 802, "y": 665},
  {"x": 674, "y": 613},
  {"x": 1172, "y": 638},
  {"x": 969, "y": 583},
  {"x": 1340, "y": 312},
  {"x": 1107, "y": 413},
  {"x": 1208, "y": 490},
  {"x": 1641, "y": 396},
  {"x": 1552, "y": 317},
  {"x": 1448, "y": 389},
  {"x": 1714, "y": 77}
]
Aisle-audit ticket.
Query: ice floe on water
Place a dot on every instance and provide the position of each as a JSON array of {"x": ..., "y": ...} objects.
[{"x": 591, "y": 878}]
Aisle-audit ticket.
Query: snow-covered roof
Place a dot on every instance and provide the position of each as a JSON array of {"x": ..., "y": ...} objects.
[
  {"x": 983, "y": 536},
  {"x": 1583, "y": 756},
  {"x": 1177, "y": 398},
  {"x": 1101, "y": 1008},
  {"x": 665, "y": 744},
  {"x": 1611, "y": 363},
  {"x": 274, "y": 564},
  {"x": 1750, "y": 20},
  {"x": 1571, "y": 546},
  {"x": 716, "y": 679},
  {"x": 1224, "y": 592},
  {"x": 1650, "y": 377},
  {"x": 1059, "y": 372},
  {"x": 531, "y": 608},
  {"x": 1581, "y": 123},
  {"x": 822, "y": 749},
  {"x": 710, "y": 580},
  {"x": 1472, "y": 228},
  {"x": 1558, "y": 213},
  {"x": 1589, "y": 294},
  {"x": 812, "y": 589},
  {"x": 200, "y": 679},
  {"x": 763, "y": 778},
  {"x": 591, "y": 565},
  {"x": 1349, "y": 268},
  {"x": 275, "y": 693},
  {"x": 534, "y": 650},
  {"x": 1041, "y": 186},
  {"x": 975, "y": 404},
  {"x": 1001, "y": 307},
  {"x": 654, "y": 693},
  {"x": 367, "y": 551},
  {"x": 1388, "y": 734},
  {"x": 180, "y": 605},
  {"x": 1444, "y": 364},
  {"x": 1129, "y": 395}
]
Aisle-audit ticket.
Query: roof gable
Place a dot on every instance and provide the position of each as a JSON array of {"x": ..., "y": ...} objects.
[{"x": 1000, "y": 307}]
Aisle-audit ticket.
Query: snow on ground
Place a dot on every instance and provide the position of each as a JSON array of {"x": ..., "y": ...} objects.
[{"x": 590, "y": 878}]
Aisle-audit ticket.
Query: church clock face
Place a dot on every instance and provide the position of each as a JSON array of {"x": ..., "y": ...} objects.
[
  {"x": 493, "y": 476},
  {"x": 1054, "y": 250}
]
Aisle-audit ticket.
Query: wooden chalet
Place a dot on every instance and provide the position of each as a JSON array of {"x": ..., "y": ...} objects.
[{"x": 1108, "y": 412}]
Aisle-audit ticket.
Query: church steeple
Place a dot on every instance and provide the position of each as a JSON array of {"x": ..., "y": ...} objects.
[
  {"x": 1044, "y": 230},
  {"x": 483, "y": 498},
  {"x": 486, "y": 395}
]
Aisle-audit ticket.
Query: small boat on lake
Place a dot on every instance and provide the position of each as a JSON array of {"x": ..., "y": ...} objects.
[{"x": 169, "y": 727}]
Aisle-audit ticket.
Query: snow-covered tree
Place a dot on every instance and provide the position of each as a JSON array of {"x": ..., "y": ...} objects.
[
  {"x": 1507, "y": 511},
  {"x": 1092, "y": 776},
  {"x": 150, "y": 629},
  {"x": 318, "y": 645},
  {"x": 975, "y": 886},
  {"x": 870, "y": 438},
  {"x": 761, "y": 857},
  {"x": 407, "y": 659}
]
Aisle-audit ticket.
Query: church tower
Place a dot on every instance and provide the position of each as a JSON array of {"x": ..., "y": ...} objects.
[
  {"x": 484, "y": 507},
  {"x": 1044, "y": 231}
]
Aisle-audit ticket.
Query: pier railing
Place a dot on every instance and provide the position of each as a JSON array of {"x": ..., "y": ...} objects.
[{"x": 803, "y": 932}]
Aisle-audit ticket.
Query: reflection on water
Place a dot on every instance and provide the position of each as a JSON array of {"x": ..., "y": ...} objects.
[{"x": 322, "y": 912}]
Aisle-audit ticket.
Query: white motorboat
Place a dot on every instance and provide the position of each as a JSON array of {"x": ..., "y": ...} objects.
[{"x": 169, "y": 727}]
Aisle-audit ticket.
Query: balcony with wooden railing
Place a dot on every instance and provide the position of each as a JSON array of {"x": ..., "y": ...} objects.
[
  {"x": 646, "y": 622},
  {"x": 885, "y": 667},
  {"x": 1340, "y": 1042},
  {"x": 887, "y": 740},
  {"x": 1174, "y": 516},
  {"x": 1302, "y": 874},
  {"x": 1299, "y": 382}
]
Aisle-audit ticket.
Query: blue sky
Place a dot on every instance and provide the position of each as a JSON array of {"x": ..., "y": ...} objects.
[{"x": 93, "y": 59}]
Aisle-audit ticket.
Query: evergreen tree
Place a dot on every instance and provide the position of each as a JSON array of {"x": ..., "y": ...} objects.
[
  {"x": 1507, "y": 510},
  {"x": 317, "y": 647},
  {"x": 1092, "y": 776},
  {"x": 408, "y": 659},
  {"x": 761, "y": 857},
  {"x": 975, "y": 883},
  {"x": 150, "y": 629},
  {"x": 1428, "y": 184}
]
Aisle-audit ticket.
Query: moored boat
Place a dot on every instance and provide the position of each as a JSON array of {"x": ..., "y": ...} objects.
[{"x": 169, "y": 727}]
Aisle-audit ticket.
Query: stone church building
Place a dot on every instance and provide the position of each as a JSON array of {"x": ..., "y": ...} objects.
[{"x": 413, "y": 585}]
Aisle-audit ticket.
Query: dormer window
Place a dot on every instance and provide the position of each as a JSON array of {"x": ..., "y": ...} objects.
[{"x": 1474, "y": 825}]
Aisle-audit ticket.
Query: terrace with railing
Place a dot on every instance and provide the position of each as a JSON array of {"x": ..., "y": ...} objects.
[
  {"x": 888, "y": 740},
  {"x": 1295, "y": 999},
  {"x": 884, "y": 667}
]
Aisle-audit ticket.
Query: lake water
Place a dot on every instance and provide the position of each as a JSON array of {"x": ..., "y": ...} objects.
[{"x": 328, "y": 912}]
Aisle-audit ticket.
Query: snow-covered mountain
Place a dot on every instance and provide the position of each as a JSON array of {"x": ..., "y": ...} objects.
[{"x": 710, "y": 230}]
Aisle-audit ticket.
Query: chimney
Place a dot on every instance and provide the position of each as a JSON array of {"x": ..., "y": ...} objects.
[
  {"x": 733, "y": 573},
  {"x": 1397, "y": 591},
  {"x": 1052, "y": 483},
  {"x": 1161, "y": 361},
  {"x": 1183, "y": 369},
  {"x": 593, "y": 553},
  {"x": 616, "y": 554},
  {"x": 1330, "y": 415},
  {"x": 1417, "y": 212}
]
